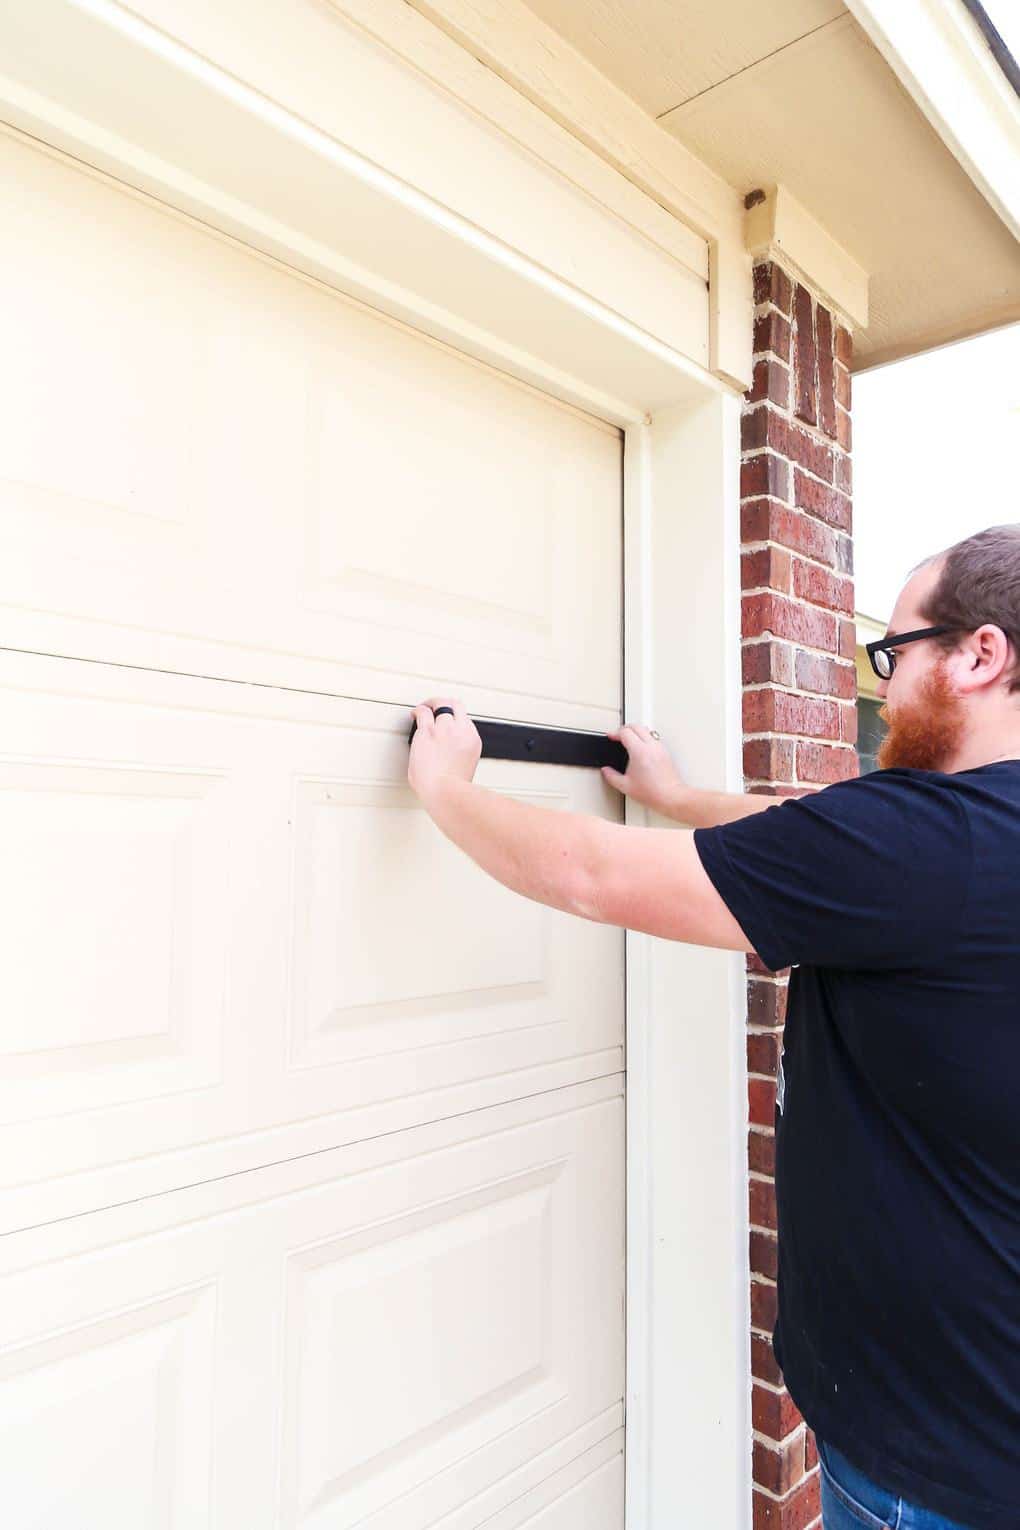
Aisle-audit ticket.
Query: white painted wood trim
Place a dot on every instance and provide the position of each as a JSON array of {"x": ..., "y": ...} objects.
[
  {"x": 519, "y": 47},
  {"x": 937, "y": 52},
  {"x": 488, "y": 62},
  {"x": 782, "y": 227},
  {"x": 540, "y": 63},
  {"x": 198, "y": 136},
  {"x": 639, "y": 702},
  {"x": 688, "y": 1383}
]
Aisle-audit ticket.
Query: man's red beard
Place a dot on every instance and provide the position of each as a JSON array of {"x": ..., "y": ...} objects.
[{"x": 924, "y": 734}]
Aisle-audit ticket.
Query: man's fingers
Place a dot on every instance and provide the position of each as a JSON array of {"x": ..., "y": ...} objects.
[
  {"x": 614, "y": 778},
  {"x": 459, "y": 709}
]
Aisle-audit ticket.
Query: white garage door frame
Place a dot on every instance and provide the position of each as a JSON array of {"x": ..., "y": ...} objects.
[{"x": 580, "y": 285}]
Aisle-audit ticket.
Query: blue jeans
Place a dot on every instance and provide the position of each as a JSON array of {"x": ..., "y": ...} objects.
[{"x": 850, "y": 1501}]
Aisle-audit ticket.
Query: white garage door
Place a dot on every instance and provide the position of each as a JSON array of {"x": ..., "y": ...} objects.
[{"x": 311, "y": 1135}]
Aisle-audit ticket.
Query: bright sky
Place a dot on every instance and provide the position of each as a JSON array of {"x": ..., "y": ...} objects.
[
  {"x": 936, "y": 442},
  {"x": 936, "y": 456}
]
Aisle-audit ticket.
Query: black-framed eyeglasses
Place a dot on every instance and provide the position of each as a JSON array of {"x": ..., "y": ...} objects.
[{"x": 882, "y": 652}]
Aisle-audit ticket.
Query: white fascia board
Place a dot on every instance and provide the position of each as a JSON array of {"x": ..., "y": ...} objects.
[
  {"x": 94, "y": 80},
  {"x": 939, "y": 55}
]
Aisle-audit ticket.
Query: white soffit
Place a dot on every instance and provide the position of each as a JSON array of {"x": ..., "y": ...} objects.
[
  {"x": 95, "y": 80},
  {"x": 828, "y": 118},
  {"x": 938, "y": 53},
  {"x": 795, "y": 93},
  {"x": 665, "y": 52}
]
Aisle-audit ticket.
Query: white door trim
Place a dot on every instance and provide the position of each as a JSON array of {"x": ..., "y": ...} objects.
[
  {"x": 688, "y": 1384},
  {"x": 618, "y": 353}
]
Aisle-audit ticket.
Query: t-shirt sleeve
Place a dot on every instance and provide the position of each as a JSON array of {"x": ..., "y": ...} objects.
[{"x": 865, "y": 874}]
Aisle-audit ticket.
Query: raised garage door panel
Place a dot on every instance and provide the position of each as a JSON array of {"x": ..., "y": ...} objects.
[
  {"x": 421, "y": 1330},
  {"x": 587, "y": 1494},
  {"x": 232, "y": 929},
  {"x": 209, "y": 463}
]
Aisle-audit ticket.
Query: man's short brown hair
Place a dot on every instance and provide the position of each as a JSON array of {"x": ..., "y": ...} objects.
[{"x": 979, "y": 583}]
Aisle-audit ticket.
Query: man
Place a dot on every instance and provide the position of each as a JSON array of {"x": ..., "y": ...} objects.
[{"x": 896, "y": 900}]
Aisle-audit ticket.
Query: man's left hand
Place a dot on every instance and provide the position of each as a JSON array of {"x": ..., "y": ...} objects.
[{"x": 442, "y": 746}]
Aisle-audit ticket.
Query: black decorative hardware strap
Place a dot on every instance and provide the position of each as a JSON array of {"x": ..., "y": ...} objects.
[{"x": 547, "y": 746}]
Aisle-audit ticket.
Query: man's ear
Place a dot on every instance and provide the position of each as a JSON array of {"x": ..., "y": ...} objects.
[{"x": 990, "y": 654}]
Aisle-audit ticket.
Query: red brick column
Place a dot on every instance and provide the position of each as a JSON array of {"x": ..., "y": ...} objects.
[{"x": 800, "y": 728}]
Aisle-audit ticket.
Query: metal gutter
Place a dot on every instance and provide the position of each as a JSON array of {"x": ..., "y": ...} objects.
[{"x": 1003, "y": 57}]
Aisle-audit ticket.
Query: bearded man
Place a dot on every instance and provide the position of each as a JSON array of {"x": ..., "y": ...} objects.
[{"x": 896, "y": 900}]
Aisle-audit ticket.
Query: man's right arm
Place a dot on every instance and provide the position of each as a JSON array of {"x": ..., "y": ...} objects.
[
  {"x": 652, "y": 779},
  {"x": 705, "y": 810}
]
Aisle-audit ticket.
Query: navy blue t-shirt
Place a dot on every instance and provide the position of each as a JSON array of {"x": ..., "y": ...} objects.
[{"x": 896, "y": 898}]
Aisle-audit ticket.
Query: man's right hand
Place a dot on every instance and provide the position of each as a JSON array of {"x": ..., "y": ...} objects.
[{"x": 651, "y": 777}]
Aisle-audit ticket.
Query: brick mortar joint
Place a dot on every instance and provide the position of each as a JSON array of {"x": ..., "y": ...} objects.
[
  {"x": 767, "y": 635},
  {"x": 788, "y": 412},
  {"x": 762, "y": 452},
  {"x": 766, "y": 1439},
  {"x": 769, "y": 544},
  {"x": 798, "y": 695},
  {"x": 826, "y": 443},
  {"x": 802, "y": 789},
  {"x": 761, "y": 544},
  {"x": 797, "y": 648},
  {"x": 750, "y": 452},
  {"x": 770, "y": 355},
  {"x": 800, "y": 600},
  {"x": 798, "y": 1485},
  {"x": 766, "y": 306},
  {"x": 804, "y": 600},
  {"x": 800, "y": 738},
  {"x": 777, "y": 1391},
  {"x": 788, "y": 415},
  {"x": 793, "y": 552},
  {"x": 798, "y": 786}
]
